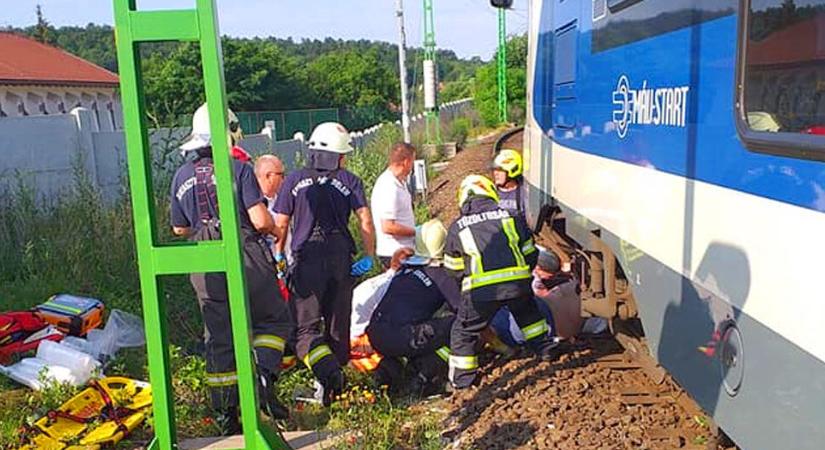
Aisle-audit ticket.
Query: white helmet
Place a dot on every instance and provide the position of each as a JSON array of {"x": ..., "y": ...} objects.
[
  {"x": 330, "y": 137},
  {"x": 201, "y": 136},
  {"x": 430, "y": 238}
]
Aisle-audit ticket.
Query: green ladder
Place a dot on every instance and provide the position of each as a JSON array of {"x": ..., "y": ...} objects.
[{"x": 200, "y": 25}]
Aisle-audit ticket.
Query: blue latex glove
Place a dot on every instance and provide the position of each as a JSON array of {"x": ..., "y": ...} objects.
[
  {"x": 361, "y": 266},
  {"x": 280, "y": 263}
]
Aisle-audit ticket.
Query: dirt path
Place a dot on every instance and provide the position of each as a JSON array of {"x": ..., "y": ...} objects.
[
  {"x": 591, "y": 398},
  {"x": 444, "y": 191}
]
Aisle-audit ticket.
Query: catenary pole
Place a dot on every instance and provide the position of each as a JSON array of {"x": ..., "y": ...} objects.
[
  {"x": 402, "y": 69},
  {"x": 502, "y": 65}
]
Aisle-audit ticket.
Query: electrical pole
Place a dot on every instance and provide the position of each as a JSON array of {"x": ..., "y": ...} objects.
[
  {"x": 431, "y": 77},
  {"x": 502, "y": 65},
  {"x": 402, "y": 68}
]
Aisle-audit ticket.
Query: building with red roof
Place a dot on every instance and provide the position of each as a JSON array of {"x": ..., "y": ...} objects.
[{"x": 38, "y": 79}]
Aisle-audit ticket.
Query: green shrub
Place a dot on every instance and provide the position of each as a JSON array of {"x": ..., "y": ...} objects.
[{"x": 459, "y": 130}]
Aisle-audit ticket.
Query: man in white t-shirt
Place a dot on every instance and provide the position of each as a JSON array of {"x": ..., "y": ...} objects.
[{"x": 392, "y": 205}]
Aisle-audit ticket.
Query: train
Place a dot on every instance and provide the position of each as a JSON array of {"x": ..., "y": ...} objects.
[{"x": 677, "y": 149}]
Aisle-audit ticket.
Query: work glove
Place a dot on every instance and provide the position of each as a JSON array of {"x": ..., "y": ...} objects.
[
  {"x": 361, "y": 266},
  {"x": 280, "y": 264}
]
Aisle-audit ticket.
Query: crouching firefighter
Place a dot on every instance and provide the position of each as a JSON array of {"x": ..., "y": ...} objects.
[
  {"x": 492, "y": 250},
  {"x": 194, "y": 214},
  {"x": 318, "y": 200},
  {"x": 404, "y": 323}
]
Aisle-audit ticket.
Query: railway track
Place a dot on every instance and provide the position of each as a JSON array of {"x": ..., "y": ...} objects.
[{"x": 605, "y": 392}]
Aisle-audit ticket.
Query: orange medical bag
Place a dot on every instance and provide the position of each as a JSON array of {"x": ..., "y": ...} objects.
[{"x": 72, "y": 315}]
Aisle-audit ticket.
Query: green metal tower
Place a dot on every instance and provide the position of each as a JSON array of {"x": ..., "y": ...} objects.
[
  {"x": 199, "y": 25},
  {"x": 433, "y": 122},
  {"x": 502, "y": 65}
]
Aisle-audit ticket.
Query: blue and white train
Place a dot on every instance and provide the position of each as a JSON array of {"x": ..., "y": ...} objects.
[{"x": 679, "y": 146}]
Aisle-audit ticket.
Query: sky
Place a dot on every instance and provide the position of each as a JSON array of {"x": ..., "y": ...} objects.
[{"x": 467, "y": 27}]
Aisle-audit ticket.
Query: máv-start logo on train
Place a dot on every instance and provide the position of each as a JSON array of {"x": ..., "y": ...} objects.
[{"x": 664, "y": 106}]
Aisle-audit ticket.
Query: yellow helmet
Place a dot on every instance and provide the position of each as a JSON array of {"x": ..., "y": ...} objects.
[
  {"x": 510, "y": 162},
  {"x": 476, "y": 185},
  {"x": 430, "y": 238}
]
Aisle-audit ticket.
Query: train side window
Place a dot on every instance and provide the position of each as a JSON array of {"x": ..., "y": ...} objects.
[{"x": 781, "y": 79}]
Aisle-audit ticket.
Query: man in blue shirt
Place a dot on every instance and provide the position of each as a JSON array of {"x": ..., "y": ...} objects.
[
  {"x": 195, "y": 215},
  {"x": 318, "y": 201}
]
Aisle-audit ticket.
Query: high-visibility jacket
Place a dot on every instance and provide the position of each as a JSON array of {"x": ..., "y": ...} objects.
[{"x": 493, "y": 250}]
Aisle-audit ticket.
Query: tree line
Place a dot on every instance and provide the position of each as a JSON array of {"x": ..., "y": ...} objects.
[{"x": 359, "y": 77}]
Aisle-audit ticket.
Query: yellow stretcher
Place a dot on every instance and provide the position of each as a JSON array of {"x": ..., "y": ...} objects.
[{"x": 100, "y": 415}]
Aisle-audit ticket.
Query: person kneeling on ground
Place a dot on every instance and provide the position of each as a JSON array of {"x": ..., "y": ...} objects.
[
  {"x": 558, "y": 297},
  {"x": 403, "y": 325}
]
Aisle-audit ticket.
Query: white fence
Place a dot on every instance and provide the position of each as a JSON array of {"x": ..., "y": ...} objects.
[
  {"x": 448, "y": 111},
  {"x": 44, "y": 153}
]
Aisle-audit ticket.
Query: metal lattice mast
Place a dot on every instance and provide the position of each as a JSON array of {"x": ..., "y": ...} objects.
[
  {"x": 198, "y": 25},
  {"x": 502, "y": 65},
  {"x": 433, "y": 122}
]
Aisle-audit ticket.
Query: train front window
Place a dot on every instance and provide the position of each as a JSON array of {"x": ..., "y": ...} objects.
[{"x": 782, "y": 81}]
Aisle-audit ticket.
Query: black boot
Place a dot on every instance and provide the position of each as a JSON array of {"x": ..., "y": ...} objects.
[
  {"x": 418, "y": 385},
  {"x": 228, "y": 422},
  {"x": 549, "y": 352},
  {"x": 269, "y": 401}
]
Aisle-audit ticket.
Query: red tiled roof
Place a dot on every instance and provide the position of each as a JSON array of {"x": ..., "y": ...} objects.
[
  {"x": 803, "y": 42},
  {"x": 26, "y": 61}
]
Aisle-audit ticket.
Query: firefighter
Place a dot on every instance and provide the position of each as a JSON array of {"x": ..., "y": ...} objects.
[
  {"x": 318, "y": 201},
  {"x": 194, "y": 214},
  {"x": 404, "y": 323},
  {"x": 493, "y": 251},
  {"x": 507, "y": 175}
]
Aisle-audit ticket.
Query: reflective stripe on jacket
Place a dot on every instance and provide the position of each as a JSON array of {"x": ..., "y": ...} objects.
[{"x": 493, "y": 250}]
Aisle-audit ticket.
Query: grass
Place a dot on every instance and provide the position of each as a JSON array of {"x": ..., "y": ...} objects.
[{"x": 79, "y": 245}]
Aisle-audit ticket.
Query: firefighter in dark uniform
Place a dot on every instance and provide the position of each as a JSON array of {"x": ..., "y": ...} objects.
[
  {"x": 493, "y": 251},
  {"x": 404, "y": 323},
  {"x": 318, "y": 200},
  {"x": 507, "y": 176},
  {"x": 194, "y": 214}
]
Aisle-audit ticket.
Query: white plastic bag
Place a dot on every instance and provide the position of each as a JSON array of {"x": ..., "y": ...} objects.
[
  {"x": 122, "y": 330},
  {"x": 55, "y": 362},
  {"x": 365, "y": 298}
]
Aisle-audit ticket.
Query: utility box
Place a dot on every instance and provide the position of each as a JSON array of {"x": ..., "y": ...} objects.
[
  {"x": 420, "y": 176},
  {"x": 449, "y": 150}
]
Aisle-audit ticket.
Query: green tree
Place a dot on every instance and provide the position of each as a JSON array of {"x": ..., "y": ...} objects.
[
  {"x": 457, "y": 90},
  {"x": 43, "y": 28},
  {"x": 359, "y": 76},
  {"x": 485, "y": 91},
  {"x": 259, "y": 76},
  {"x": 355, "y": 80}
]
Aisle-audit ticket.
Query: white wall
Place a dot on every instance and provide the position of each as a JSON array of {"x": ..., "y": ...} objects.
[
  {"x": 22, "y": 101},
  {"x": 43, "y": 152}
]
